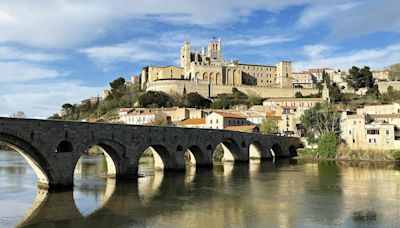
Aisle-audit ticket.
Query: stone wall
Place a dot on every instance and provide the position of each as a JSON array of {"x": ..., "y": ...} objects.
[{"x": 202, "y": 87}]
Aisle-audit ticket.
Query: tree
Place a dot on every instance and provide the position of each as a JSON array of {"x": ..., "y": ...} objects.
[
  {"x": 117, "y": 83},
  {"x": 161, "y": 119},
  {"x": 269, "y": 126},
  {"x": 195, "y": 100},
  {"x": 19, "y": 114},
  {"x": 155, "y": 98},
  {"x": 335, "y": 94},
  {"x": 394, "y": 72},
  {"x": 321, "y": 119},
  {"x": 360, "y": 78},
  {"x": 66, "y": 108},
  {"x": 328, "y": 144},
  {"x": 298, "y": 94}
]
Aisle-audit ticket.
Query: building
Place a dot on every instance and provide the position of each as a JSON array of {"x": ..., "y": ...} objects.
[
  {"x": 381, "y": 75},
  {"x": 371, "y": 132},
  {"x": 273, "y": 103},
  {"x": 247, "y": 128},
  {"x": 209, "y": 66},
  {"x": 222, "y": 120},
  {"x": 304, "y": 79},
  {"x": 194, "y": 123},
  {"x": 379, "y": 109}
]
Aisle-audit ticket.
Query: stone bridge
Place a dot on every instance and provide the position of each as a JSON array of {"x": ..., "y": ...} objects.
[{"x": 53, "y": 148}]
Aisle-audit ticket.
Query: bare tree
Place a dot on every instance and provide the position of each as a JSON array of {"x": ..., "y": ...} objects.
[
  {"x": 19, "y": 114},
  {"x": 394, "y": 72}
]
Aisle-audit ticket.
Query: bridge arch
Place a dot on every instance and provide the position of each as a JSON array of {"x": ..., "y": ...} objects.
[
  {"x": 231, "y": 150},
  {"x": 276, "y": 150},
  {"x": 256, "y": 150},
  {"x": 197, "y": 156},
  {"x": 163, "y": 159},
  {"x": 34, "y": 158},
  {"x": 292, "y": 151},
  {"x": 113, "y": 152}
]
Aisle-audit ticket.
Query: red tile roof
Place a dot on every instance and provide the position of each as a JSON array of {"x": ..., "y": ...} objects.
[
  {"x": 231, "y": 115},
  {"x": 194, "y": 121}
]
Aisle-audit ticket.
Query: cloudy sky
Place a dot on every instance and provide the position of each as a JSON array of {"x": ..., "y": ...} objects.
[{"x": 57, "y": 51}]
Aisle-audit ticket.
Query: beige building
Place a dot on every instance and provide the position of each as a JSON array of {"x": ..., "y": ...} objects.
[
  {"x": 221, "y": 120},
  {"x": 303, "y": 79},
  {"x": 379, "y": 109},
  {"x": 210, "y": 67},
  {"x": 371, "y": 132},
  {"x": 194, "y": 123},
  {"x": 273, "y": 103},
  {"x": 381, "y": 75}
]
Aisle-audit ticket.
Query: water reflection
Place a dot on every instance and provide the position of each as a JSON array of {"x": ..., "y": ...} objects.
[{"x": 274, "y": 194}]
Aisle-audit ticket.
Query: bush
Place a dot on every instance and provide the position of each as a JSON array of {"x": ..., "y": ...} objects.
[
  {"x": 395, "y": 154},
  {"x": 307, "y": 152},
  {"x": 328, "y": 144}
]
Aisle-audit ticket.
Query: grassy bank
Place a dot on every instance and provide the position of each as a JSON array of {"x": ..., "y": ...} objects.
[{"x": 351, "y": 155}]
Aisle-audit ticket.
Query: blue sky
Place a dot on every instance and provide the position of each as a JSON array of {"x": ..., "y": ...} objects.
[{"x": 57, "y": 51}]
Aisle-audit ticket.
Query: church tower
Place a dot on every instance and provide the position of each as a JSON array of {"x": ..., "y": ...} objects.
[
  {"x": 185, "y": 55},
  {"x": 215, "y": 50}
]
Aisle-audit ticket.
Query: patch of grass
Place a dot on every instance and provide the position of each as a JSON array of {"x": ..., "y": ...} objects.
[{"x": 307, "y": 152}]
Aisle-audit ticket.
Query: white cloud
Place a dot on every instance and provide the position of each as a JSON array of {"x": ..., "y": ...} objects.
[
  {"x": 18, "y": 71},
  {"x": 42, "y": 99},
  {"x": 8, "y": 53},
  {"x": 259, "y": 40},
  {"x": 374, "y": 58},
  {"x": 346, "y": 19},
  {"x": 60, "y": 23}
]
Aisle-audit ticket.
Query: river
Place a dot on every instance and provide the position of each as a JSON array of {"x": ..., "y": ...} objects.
[{"x": 286, "y": 193}]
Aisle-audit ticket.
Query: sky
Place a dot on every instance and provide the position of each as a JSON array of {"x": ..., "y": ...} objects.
[{"x": 58, "y": 51}]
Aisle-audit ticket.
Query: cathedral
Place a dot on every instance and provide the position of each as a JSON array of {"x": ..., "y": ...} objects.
[{"x": 208, "y": 66}]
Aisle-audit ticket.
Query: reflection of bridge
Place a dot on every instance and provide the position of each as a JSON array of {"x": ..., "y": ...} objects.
[
  {"x": 53, "y": 148},
  {"x": 130, "y": 203}
]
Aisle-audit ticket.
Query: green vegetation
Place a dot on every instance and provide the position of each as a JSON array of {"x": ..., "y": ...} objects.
[
  {"x": 225, "y": 101},
  {"x": 320, "y": 120},
  {"x": 328, "y": 145},
  {"x": 128, "y": 97},
  {"x": 269, "y": 126},
  {"x": 307, "y": 152},
  {"x": 395, "y": 154},
  {"x": 4, "y": 146}
]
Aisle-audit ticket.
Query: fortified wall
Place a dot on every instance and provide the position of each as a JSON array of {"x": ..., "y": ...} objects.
[{"x": 209, "y": 90}]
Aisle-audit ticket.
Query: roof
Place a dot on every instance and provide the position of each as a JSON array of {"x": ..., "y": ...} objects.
[
  {"x": 125, "y": 109},
  {"x": 230, "y": 115},
  {"x": 303, "y": 72},
  {"x": 294, "y": 99},
  {"x": 288, "y": 107},
  {"x": 194, "y": 121},
  {"x": 241, "y": 128}
]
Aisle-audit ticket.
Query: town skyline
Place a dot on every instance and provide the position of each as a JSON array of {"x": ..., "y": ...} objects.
[{"x": 65, "y": 58}]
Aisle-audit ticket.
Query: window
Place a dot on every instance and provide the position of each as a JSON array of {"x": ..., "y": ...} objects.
[
  {"x": 354, "y": 141},
  {"x": 350, "y": 132},
  {"x": 210, "y": 121},
  {"x": 216, "y": 121},
  {"x": 372, "y": 132},
  {"x": 387, "y": 132},
  {"x": 355, "y": 122}
]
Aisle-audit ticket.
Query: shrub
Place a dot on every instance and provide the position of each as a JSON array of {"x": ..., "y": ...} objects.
[
  {"x": 306, "y": 152},
  {"x": 328, "y": 144},
  {"x": 395, "y": 154}
]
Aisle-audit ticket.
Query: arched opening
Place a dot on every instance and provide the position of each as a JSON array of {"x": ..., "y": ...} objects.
[
  {"x": 226, "y": 151},
  {"x": 155, "y": 158},
  {"x": 11, "y": 149},
  {"x": 292, "y": 151},
  {"x": 276, "y": 150},
  {"x": 64, "y": 147},
  {"x": 94, "y": 173},
  {"x": 255, "y": 151},
  {"x": 194, "y": 156}
]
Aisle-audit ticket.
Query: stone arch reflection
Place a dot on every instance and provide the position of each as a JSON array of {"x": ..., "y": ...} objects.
[{"x": 33, "y": 157}]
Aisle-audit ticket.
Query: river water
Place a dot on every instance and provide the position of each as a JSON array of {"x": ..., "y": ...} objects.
[{"x": 284, "y": 193}]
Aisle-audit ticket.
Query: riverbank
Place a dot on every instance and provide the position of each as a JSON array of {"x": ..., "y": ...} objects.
[{"x": 350, "y": 155}]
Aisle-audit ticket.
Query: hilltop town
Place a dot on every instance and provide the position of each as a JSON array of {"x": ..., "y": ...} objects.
[{"x": 206, "y": 91}]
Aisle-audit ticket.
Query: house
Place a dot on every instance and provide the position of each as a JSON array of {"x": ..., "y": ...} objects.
[
  {"x": 194, "y": 123},
  {"x": 248, "y": 128},
  {"x": 222, "y": 120},
  {"x": 273, "y": 103}
]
